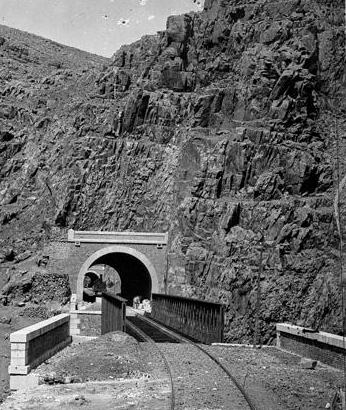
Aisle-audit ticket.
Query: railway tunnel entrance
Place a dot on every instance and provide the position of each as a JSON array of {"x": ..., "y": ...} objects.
[
  {"x": 119, "y": 269},
  {"x": 120, "y": 273}
]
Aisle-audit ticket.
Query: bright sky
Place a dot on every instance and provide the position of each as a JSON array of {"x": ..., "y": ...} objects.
[{"x": 98, "y": 26}]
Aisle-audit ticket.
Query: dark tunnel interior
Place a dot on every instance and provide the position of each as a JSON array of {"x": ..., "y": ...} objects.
[{"x": 135, "y": 278}]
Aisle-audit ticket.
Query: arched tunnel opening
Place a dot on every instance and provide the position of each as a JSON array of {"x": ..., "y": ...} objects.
[{"x": 122, "y": 274}]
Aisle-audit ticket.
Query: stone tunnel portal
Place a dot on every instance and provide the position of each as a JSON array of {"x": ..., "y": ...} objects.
[
  {"x": 134, "y": 276},
  {"x": 123, "y": 270}
]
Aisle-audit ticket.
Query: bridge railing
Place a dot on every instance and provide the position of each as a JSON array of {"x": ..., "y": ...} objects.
[
  {"x": 113, "y": 315},
  {"x": 199, "y": 319}
]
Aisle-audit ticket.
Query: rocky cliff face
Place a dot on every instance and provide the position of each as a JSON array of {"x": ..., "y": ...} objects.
[{"x": 221, "y": 130}]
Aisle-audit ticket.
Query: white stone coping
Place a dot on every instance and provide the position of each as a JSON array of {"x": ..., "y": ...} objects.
[
  {"x": 220, "y": 344},
  {"x": 31, "y": 332},
  {"x": 322, "y": 337},
  {"x": 152, "y": 238},
  {"x": 78, "y": 339},
  {"x": 86, "y": 312}
]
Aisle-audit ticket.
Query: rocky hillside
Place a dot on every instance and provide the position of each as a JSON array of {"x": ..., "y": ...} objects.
[
  {"x": 43, "y": 86},
  {"x": 220, "y": 129}
]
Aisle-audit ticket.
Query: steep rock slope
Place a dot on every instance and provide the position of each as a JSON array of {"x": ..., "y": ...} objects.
[
  {"x": 221, "y": 130},
  {"x": 42, "y": 86}
]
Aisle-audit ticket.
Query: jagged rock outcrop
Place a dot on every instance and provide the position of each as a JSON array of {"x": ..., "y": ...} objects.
[
  {"x": 219, "y": 129},
  {"x": 36, "y": 286}
]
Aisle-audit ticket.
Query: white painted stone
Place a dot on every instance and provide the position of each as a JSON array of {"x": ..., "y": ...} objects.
[
  {"x": 18, "y": 353},
  {"x": 74, "y": 321},
  {"x": 19, "y": 346},
  {"x": 18, "y": 361},
  {"x": 70, "y": 235},
  {"x": 19, "y": 369},
  {"x": 21, "y": 382}
]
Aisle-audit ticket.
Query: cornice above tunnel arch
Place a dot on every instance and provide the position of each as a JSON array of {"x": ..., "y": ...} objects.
[{"x": 116, "y": 249}]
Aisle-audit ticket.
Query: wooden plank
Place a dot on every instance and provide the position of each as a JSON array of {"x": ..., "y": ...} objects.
[{"x": 113, "y": 313}]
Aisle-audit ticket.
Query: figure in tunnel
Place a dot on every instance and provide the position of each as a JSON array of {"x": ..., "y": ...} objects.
[{"x": 136, "y": 302}]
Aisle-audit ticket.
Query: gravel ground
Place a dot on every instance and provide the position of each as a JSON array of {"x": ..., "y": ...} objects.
[
  {"x": 199, "y": 383},
  {"x": 114, "y": 355},
  {"x": 115, "y": 371},
  {"x": 275, "y": 380},
  {"x": 130, "y": 394},
  {"x": 110, "y": 372}
]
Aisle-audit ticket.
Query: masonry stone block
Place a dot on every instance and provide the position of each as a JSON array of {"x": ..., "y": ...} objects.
[
  {"x": 19, "y": 353},
  {"x": 19, "y": 346},
  {"x": 65, "y": 256},
  {"x": 315, "y": 346},
  {"x": 18, "y": 361},
  {"x": 19, "y": 369},
  {"x": 21, "y": 382}
]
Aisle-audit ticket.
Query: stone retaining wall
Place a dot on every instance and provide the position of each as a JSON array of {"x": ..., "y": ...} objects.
[{"x": 325, "y": 347}]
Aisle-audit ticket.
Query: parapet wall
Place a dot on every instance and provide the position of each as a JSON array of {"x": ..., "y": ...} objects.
[
  {"x": 325, "y": 347},
  {"x": 33, "y": 345}
]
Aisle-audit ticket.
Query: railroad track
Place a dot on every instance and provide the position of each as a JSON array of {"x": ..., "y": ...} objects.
[
  {"x": 188, "y": 368},
  {"x": 144, "y": 331}
]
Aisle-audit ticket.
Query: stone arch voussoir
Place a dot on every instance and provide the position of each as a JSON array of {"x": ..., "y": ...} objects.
[{"x": 116, "y": 249}]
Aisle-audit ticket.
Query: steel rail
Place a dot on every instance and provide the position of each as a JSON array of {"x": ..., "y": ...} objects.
[
  {"x": 148, "y": 339},
  {"x": 171, "y": 333}
]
